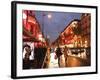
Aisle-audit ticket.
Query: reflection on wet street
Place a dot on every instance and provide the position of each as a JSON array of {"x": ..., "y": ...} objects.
[
  {"x": 76, "y": 61},
  {"x": 72, "y": 61}
]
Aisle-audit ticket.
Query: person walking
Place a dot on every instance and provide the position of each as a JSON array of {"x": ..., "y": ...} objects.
[
  {"x": 58, "y": 53},
  {"x": 66, "y": 55}
]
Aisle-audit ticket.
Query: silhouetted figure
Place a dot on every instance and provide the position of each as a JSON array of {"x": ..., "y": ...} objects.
[
  {"x": 66, "y": 55},
  {"x": 58, "y": 53},
  {"x": 26, "y": 60},
  {"x": 39, "y": 55}
]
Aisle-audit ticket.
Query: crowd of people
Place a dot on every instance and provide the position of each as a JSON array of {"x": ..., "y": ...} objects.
[
  {"x": 41, "y": 57},
  {"x": 62, "y": 55}
]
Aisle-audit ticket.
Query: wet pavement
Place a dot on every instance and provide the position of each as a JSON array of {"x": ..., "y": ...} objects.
[{"x": 72, "y": 61}]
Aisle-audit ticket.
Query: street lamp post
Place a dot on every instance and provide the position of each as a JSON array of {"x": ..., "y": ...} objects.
[{"x": 49, "y": 16}]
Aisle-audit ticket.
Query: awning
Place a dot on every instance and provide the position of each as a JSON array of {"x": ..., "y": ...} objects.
[{"x": 29, "y": 36}]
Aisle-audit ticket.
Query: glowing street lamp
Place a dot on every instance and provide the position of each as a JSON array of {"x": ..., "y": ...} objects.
[{"x": 49, "y": 16}]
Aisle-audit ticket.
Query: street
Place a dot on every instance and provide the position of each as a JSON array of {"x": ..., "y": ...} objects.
[{"x": 72, "y": 61}]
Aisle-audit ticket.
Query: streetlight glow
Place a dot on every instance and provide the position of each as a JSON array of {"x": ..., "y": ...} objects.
[{"x": 49, "y": 16}]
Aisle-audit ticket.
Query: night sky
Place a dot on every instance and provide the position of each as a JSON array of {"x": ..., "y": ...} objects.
[{"x": 56, "y": 24}]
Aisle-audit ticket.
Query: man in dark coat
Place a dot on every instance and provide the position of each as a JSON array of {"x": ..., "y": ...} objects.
[{"x": 58, "y": 53}]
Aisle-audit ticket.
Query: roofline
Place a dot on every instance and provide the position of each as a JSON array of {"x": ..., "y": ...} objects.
[{"x": 67, "y": 27}]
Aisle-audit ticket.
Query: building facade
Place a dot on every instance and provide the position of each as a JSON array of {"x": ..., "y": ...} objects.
[
  {"x": 77, "y": 33},
  {"x": 86, "y": 29},
  {"x": 31, "y": 29},
  {"x": 69, "y": 36}
]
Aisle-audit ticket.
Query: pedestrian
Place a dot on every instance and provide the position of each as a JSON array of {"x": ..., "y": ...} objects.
[
  {"x": 48, "y": 57},
  {"x": 37, "y": 57},
  {"x": 26, "y": 60},
  {"x": 62, "y": 58},
  {"x": 66, "y": 55},
  {"x": 58, "y": 53}
]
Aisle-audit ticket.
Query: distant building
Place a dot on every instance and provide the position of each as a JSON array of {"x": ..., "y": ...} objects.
[
  {"x": 67, "y": 36},
  {"x": 86, "y": 29}
]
